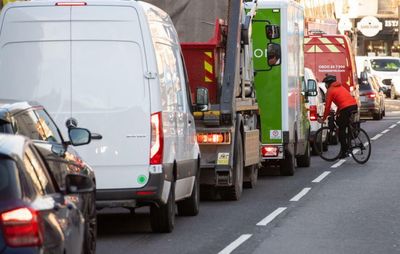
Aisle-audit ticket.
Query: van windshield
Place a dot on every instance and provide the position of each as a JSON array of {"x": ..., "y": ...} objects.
[{"x": 389, "y": 65}]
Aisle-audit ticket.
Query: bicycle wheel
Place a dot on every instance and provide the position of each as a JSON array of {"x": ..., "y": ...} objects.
[
  {"x": 326, "y": 145},
  {"x": 360, "y": 146}
]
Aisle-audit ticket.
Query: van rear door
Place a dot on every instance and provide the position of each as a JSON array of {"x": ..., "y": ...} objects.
[{"x": 110, "y": 94}]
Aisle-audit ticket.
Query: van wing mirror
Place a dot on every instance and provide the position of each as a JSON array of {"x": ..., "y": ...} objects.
[
  {"x": 363, "y": 76},
  {"x": 272, "y": 32},
  {"x": 202, "y": 99},
  {"x": 273, "y": 54},
  {"x": 311, "y": 88}
]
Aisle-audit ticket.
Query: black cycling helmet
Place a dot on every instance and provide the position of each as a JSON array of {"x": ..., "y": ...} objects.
[{"x": 329, "y": 79}]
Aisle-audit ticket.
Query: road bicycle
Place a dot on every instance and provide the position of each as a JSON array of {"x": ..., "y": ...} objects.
[{"x": 327, "y": 145}]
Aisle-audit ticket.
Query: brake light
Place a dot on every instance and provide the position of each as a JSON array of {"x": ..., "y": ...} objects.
[
  {"x": 71, "y": 4},
  {"x": 270, "y": 151},
  {"x": 21, "y": 228},
  {"x": 214, "y": 138},
  {"x": 370, "y": 95},
  {"x": 313, "y": 113},
  {"x": 157, "y": 139}
]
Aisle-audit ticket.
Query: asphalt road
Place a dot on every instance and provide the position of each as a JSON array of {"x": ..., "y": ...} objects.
[{"x": 327, "y": 208}]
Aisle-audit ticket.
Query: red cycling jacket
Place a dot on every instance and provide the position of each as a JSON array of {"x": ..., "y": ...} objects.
[{"x": 340, "y": 96}]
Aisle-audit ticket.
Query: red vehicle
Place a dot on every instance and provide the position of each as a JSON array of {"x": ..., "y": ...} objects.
[{"x": 332, "y": 54}]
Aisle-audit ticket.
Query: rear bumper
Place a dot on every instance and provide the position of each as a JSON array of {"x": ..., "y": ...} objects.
[
  {"x": 368, "y": 109},
  {"x": 153, "y": 192}
]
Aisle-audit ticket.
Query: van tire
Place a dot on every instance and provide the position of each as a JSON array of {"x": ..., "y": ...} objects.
[
  {"x": 190, "y": 206},
  {"x": 162, "y": 216},
  {"x": 287, "y": 165},
  {"x": 304, "y": 160},
  {"x": 234, "y": 192}
]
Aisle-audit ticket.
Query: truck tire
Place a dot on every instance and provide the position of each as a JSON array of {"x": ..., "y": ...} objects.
[
  {"x": 304, "y": 160},
  {"x": 287, "y": 165},
  {"x": 190, "y": 206},
  {"x": 162, "y": 217},
  {"x": 251, "y": 173},
  {"x": 234, "y": 192}
]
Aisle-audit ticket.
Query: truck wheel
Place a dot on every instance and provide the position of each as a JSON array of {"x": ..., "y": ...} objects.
[
  {"x": 190, "y": 206},
  {"x": 162, "y": 217},
  {"x": 251, "y": 177},
  {"x": 235, "y": 191},
  {"x": 287, "y": 165},
  {"x": 304, "y": 160}
]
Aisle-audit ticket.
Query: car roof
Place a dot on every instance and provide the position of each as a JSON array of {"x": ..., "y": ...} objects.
[
  {"x": 12, "y": 145},
  {"x": 8, "y": 107}
]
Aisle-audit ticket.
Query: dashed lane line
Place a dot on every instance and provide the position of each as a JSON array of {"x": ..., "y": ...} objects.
[
  {"x": 392, "y": 126},
  {"x": 398, "y": 122},
  {"x": 385, "y": 131},
  {"x": 321, "y": 177},
  {"x": 301, "y": 194},
  {"x": 377, "y": 136},
  {"x": 271, "y": 217},
  {"x": 338, "y": 164},
  {"x": 231, "y": 247}
]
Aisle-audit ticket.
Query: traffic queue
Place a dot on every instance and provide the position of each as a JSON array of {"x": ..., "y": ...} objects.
[{"x": 165, "y": 121}]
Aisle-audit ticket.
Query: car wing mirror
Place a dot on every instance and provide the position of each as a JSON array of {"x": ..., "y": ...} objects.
[
  {"x": 79, "y": 136},
  {"x": 76, "y": 184}
]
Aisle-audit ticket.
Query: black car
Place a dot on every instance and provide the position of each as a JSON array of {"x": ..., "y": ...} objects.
[
  {"x": 31, "y": 119},
  {"x": 35, "y": 215}
]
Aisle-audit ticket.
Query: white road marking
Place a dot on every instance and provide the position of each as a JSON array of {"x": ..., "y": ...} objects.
[
  {"x": 301, "y": 194},
  {"x": 392, "y": 126},
  {"x": 271, "y": 217},
  {"x": 398, "y": 122},
  {"x": 366, "y": 144},
  {"x": 338, "y": 164},
  {"x": 376, "y": 136},
  {"x": 321, "y": 177},
  {"x": 231, "y": 247},
  {"x": 385, "y": 131}
]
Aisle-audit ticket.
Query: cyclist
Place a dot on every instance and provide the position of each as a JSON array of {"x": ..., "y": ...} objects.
[{"x": 346, "y": 104}]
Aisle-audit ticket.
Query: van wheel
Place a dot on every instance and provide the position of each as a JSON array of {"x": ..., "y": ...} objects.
[
  {"x": 304, "y": 160},
  {"x": 251, "y": 176},
  {"x": 190, "y": 206},
  {"x": 234, "y": 192},
  {"x": 162, "y": 217},
  {"x": 287, "y": 165}
]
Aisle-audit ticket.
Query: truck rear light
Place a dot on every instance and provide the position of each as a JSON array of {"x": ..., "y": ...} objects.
[
  {"x": 71, "y": 4},
  {"x": 214, "y": 138},
  {"x": 313, "y": 113},
  {"x": 21, "y": 228},
  {"x": 270, "y": 151},
  {"x": 157, "y": 139}
]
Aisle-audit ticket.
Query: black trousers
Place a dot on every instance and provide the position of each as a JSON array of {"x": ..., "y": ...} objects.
[{"x": 342, "y": 121}]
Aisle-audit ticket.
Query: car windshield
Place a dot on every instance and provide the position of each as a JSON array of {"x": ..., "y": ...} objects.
[
  {"x": 9, "y": 188},
  {"x": 390, "y": 65}
]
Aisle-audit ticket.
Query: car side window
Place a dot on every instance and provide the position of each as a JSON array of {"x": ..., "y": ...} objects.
[
  {"x": 36, "y": 125},
  {"x": 37, "y": 172}
]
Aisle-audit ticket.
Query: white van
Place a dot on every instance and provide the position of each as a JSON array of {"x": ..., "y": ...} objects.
[{"x": 116, "y": 68}]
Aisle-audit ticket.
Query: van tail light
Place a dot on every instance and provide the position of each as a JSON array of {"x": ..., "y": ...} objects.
[
  {"x": 71, "y": 4},
  {"x": 21, "y": 228},
  {"x": 270, "y": 151},
  {"x": 157, "y": 139},
  {"x": 313, "y": 113}
]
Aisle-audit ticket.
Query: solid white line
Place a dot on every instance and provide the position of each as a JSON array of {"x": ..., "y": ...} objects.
[
  {"x": 385, "y": 131},
  {"x": 231, "y": 247},
  {"x": 392, "y": 126},
  {"x": 321, "y": 177},
  {"x": 338, "y": 164},
  {"x": 301, "y": 194},
  {"x": 376, "y": 136},
  {"x": 271, "y": 217}
]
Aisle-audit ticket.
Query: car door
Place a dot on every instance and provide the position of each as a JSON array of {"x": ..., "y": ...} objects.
[{"x": 62, "y": 220}]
